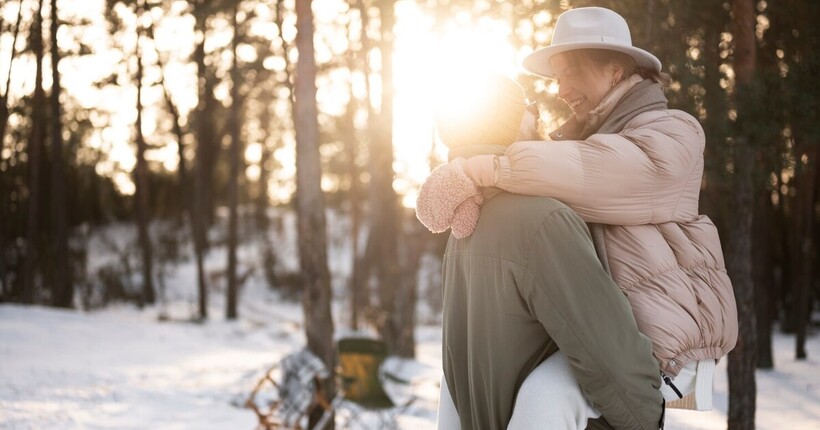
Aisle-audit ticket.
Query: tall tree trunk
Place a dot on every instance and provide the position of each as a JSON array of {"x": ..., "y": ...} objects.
[
  {"x": 233, "y": 176},
  {"x": 783, "y": 237},
  {"x": 385, "y": 205},
  {"x": 356, "y": 283},
  {"x": 63, "y": 280},
  {"x": 804, "y": 220},
  {"x": 650, "y": 19},
  {"x": 262, "y": 200},
  {"x": 347, "y": 126},
  {"x": 763, "y": 245},
  {"x": 266, "y": 248},
  {"x": 5, "y": 286},
  {"x": 35, "y": 149},
  {"x": 310, "y": 204},
  {"x": 414, "y": 245},
  {"x": 200, "y": 204},
  {"x": 358, "y": 300},
  {"x": 362, "y": 260},
  {"x": 141, "y": 186},
  {"x": 347, "y": 132},
  {"x": 4, "y": 117},
  {"x": 713, "y": 196},
  {"x": 198, "y": 236},
  {"x": 206, "y": 133},
  {"x": 806, "y": 154},
  {"x": 4, "y": 101},
  {"x": 742, "y": 360}
]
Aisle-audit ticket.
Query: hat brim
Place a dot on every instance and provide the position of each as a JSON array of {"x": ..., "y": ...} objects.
[{"x": 538, "y": 63}]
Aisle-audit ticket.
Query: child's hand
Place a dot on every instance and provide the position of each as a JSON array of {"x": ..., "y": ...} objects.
[{"x": 449, "y": 198}]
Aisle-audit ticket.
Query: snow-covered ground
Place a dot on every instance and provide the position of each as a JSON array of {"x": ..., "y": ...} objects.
[{"x": 123, "y": 368}]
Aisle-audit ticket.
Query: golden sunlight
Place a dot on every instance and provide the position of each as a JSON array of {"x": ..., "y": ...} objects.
[
  {"x": 459, "y": 55},
  {"x": 427, "y": 56}
]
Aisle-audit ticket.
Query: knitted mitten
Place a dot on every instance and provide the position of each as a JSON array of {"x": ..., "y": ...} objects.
[
  {"x": 466, "y": 215},
  {"x": 441, "y": 197}
]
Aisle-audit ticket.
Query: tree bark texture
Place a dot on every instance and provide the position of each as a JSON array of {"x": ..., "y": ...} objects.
[
  {"x": 386, "y": 218},
  {"x": 204, "y": 132},
  {"x": 362, "y": 256},
  {"x": 763, "y": 268},
  {"x": 35, "y": 150},
  {"x": 806, "y": 151},
  {"x": 310, "y": 204},
  {"x": 804, "y": 240},
  {"x": 347, "y": 130},
  {"x": 233, "y": 176},
  {"x": 742, "y": 360},
  {"x": 198, "y": 235},
  {"x": 63, "y": 281},
  {"x": 5, "y": 287},
  {"x": 141, "y": 192},
  {"x": 4, "y": 102},
  {"x": 712, "y": 199},
  {"x": 262, "y": 200},
  {"x": 414, "y": 244},
  {"x": 785, "y": 249}
]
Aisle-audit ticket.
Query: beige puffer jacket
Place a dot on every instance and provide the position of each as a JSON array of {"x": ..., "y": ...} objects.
[{"x": 644, "y": 183}]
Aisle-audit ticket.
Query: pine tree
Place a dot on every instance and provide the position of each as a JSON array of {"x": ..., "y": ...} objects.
[
  {"x": 742, "y": 360},
  {"x": 310, "y": 206}
]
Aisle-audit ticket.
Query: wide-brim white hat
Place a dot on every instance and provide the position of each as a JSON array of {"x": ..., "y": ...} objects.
[{"x": 588, "y": 27}]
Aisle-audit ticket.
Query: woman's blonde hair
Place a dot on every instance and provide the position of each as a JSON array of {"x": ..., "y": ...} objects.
[{"x": 592, "y": 59}]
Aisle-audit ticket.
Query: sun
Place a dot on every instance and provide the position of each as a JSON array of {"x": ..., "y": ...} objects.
[{"x": 459, "y": 56}]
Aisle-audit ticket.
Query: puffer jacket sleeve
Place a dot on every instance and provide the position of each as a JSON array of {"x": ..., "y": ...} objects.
[{"x": 648, "y": 174}]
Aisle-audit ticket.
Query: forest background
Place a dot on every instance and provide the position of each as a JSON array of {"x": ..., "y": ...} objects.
[{"x": 195, "y": 120}]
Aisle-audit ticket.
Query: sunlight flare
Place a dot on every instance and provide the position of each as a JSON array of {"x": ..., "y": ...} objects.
[{"x": 457, "y": 55}]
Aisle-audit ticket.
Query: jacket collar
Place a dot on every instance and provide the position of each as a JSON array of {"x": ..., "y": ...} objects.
[
  {"x": 632, "y": 96},
  {"x": 607, "y": 105}
]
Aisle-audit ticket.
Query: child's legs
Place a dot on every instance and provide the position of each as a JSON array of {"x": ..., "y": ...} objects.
[{"x": 550, "y": 398}]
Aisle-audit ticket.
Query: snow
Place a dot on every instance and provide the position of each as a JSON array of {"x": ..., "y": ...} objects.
[{"x": 121, "y": 367}]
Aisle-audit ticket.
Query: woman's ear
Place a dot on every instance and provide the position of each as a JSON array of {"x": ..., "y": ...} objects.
[{"x": 616, "y": 72}]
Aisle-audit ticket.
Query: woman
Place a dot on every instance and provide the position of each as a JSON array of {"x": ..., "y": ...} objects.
[{"x": 632, "y": 168}]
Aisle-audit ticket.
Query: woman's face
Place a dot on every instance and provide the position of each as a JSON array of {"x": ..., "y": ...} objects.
[{"x": 583, "y": 89}]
